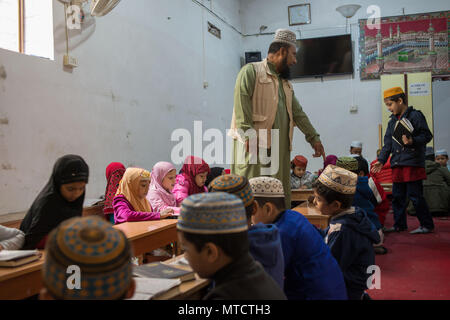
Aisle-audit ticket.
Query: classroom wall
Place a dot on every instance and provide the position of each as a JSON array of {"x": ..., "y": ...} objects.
[
  {"x": 140, "y": 76},
  {"x": 328, "y": 103}
]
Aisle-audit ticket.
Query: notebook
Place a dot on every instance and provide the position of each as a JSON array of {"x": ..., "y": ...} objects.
[
  {"x": 15, "y": 258},
  {"x": 164, "y": 271}
]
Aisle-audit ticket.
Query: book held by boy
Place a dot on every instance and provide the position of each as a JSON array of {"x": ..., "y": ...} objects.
[{"x": 402, "y": 127}]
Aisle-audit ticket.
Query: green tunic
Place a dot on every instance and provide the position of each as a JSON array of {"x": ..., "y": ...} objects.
[{"x": 243, "y": 93}]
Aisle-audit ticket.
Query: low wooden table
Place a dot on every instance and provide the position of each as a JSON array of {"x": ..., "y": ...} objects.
[
  {"x": 188, "y": 290},
  {"x": 146, "y": 236},
  {"x": 21, "y": 282},
  {"x": 314, "y": 216},
  {"x": 301, "y": 194}
]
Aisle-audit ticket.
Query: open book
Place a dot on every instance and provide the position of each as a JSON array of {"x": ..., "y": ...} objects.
[
  {"x": 15, "y": 258},
  {"x": 402, "y": 127},
  {"x": 147, "y": 288}
]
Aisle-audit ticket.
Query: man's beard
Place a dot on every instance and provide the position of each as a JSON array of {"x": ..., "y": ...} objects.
[{"x": 285, "y": 70}]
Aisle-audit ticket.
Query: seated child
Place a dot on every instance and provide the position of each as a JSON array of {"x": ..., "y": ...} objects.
[
  {"x": 300, "y": 178},
  {"x": 330, "y": 159},
  {"x": 101, "y": 254},
  {"x": 442, "y": 158},
  {"x": 61, "y": 199},
  {"x": 385, "y": 174},
  {"x": 356, "y": 148},
  {"x": 130, "y": 203},
  {"x": 11, "y": 238},
  {"x": 436, "y": 188},
  {"x": 350, "y": 234},
  {"x": 311, "y": 272},
  {"x": 114, "y": 173},
  {"x": 191, "y": 179},
  {"x": 215, "y": 172},
  {"x": 212, "y": 230},
  {"x": 160, "y": 195},
  {"x": 264, "y": 239}
]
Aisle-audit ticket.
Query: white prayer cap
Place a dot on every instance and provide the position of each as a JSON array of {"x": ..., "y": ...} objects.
[
  {"x": 356, "y": 144},
  {"x": 285, "y": 36},
  {"x": 441, "y": 152}
]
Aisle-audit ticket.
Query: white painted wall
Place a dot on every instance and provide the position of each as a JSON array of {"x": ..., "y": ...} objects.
[
  {"x": 328, "y": 103},
  {"x": 140, "y": 76}
]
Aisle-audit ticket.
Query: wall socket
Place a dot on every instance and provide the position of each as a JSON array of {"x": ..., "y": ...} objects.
[
  {"x": 354, "y": 109},
  {"x": 70, "y": 62}
]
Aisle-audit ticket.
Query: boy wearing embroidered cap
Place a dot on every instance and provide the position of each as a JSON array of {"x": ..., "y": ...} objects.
[
  {"x": 442, "y": 158},
  {"x": 212, "y": 230},
  {"x": 350, "y": 234},
  {"x": 311, "y": 272},
  {"x": 300, "y": 178},
  {"x": 264, "y": 239},
  {"x": 102, "y": 254},
  {"x": 407, "y": 161}
]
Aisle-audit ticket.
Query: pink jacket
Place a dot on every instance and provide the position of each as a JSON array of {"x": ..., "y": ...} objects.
[
  {"x": 124, "y": 212},
  {"x": 181, "y": 189},
  {"x": 159, "y": 205}
]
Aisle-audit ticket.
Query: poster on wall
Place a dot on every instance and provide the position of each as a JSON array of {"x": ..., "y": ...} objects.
[{"x": 409, "y": 43}]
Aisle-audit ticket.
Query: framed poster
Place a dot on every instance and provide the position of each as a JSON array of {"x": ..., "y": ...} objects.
[
  {"x": 410, "y": 43},
  {"x": 299, "y": 14}
]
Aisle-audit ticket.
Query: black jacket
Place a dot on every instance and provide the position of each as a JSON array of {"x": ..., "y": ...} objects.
[
  {"x": 244, "y": 279},
  {"x": 351, "y": 237},
  {"x": 413, "y": 155}
]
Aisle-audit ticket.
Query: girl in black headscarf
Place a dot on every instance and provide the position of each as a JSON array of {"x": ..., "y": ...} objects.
[{"x": 61, "y": 199}]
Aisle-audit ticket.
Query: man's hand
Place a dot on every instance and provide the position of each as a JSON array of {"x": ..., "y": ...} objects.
[
  {"x": 319, "y": 150},
  {"x": 376, "y": 167},
  {"x": 254, "y": 141},
  {"x": 407, "y": 141}
]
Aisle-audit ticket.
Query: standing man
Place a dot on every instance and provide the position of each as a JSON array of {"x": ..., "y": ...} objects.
[{"x": 264, "y": 101}]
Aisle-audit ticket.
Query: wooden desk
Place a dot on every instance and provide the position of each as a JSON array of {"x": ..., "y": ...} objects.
[
  {"x": 301, "y": 194},
  {"x": 188, "y": 290},
  {"x": 21, "y": 282},
  {"x": 146, "y": 236},
  {"x": 313, "y": 216}
]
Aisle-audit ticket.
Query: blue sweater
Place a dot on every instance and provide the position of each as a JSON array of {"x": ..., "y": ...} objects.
[
  {"x": 365, "y": 199},
  {"x": 311, "y": 272},
  {"x": 265, "y": 247},
  {"x": 413, "y": 155},
  {"x": 350, "y": 237}
]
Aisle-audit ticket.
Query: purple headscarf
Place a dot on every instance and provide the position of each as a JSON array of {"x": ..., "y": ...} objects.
[{"x": 157, "y": 191}]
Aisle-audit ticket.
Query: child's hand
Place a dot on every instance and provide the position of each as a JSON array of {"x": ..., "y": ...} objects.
[
  {"x": 407, "y": 141},
  {"x": 304, "y": 187},
  {"x": 166, "y": 213},
  {"x": 1, "y": 248},
  {"x": 376, "y": 167}
]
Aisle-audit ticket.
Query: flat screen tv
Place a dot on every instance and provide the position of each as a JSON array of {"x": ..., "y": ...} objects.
[{"x": 318, "y": 57}]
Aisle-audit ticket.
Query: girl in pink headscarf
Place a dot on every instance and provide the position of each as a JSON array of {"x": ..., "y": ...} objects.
[
  {"x": 191, "y": 179},
  {"x": 160, "y": 195}
]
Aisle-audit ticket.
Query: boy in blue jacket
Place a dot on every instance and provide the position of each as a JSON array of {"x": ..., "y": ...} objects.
[
  {"x": 311, "y": 272},
  {"x": 407, "y": 162},
  {"x": 350, "y": 235},
  {"x": 264, "y": 239}
]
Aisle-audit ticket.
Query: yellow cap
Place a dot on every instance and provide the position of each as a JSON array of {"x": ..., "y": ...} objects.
[{"x": 393, "y": 92}]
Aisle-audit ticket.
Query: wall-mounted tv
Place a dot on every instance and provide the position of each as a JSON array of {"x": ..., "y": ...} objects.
[{"x": 318, "y": 57}]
